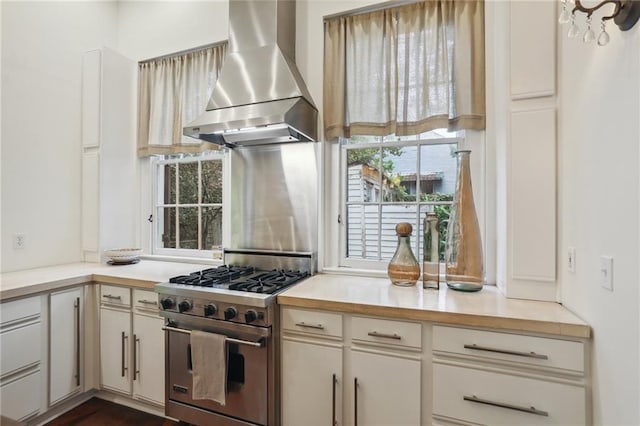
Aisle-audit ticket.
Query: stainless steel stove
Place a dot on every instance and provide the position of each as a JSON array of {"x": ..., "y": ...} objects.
[{"x": 236, "y": 300}]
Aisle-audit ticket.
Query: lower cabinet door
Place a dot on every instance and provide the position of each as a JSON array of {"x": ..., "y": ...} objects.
[
  {"x": 115, "y": 336},
  {"x": 21, "y": 397},
  {"x": 492, "y": 398},
  {"x": 65, "y": 317},
  {"x": 148, "y": 359},
  {"x": 385, "y": 389},
  {"x": 310, "y": 395}
]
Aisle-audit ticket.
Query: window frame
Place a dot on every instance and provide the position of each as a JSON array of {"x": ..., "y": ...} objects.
[
  {"x": 343, "y": 203},
  {"x": 156, "y": 164}
]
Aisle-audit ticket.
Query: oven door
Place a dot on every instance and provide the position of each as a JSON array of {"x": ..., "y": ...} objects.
[{"x": 247, "y": 380}]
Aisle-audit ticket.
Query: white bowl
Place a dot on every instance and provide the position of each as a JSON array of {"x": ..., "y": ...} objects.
[{"x": 123, "y": 255}]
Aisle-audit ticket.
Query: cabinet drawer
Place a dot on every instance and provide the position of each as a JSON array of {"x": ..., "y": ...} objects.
[
  {"x": 312, "y": 322},
  {"x": 20, "y": 309},
  {"x": 113, "y": 295},
  {"x": 145, "y": 300},
  {"x": 538, "y": 351},
  {"x": 20, "y": 348},
  {"x": 21, "y": 397},
  {"x": 500, "y": 399},
  {"x": 398, "y": 333}
]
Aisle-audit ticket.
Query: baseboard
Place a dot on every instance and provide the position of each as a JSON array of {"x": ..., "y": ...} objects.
[
  {"x": 72, "y": 403},
  {"x": 61, "y": 408},
  {"x": 131, "y": 403}
]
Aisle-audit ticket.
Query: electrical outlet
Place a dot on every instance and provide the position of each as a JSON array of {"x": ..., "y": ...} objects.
[
  {"x": 19, "y": 241},
  {"x": 606, "y": 272},
  {"x": 571, "y": 259}
]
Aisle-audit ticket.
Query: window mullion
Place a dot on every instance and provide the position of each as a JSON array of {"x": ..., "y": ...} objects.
[
  {"x": 418, "y": 197},
  {"x": 380, "y": 199},
  {"x": 177, "y": 224},
  {"x": 199, "y": 205}
]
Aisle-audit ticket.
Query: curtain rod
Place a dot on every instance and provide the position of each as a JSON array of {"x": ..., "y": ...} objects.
[
  {"x": 184, "y": 52},
  {"x": 371, "y": 8}
]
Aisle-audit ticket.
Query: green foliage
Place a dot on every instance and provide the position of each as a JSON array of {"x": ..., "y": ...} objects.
[
  {"x": 211, "y": 193},
  {"x": 442, "y": 211}
]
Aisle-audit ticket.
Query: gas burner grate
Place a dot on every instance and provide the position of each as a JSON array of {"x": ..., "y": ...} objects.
[
  {"x": 213, "y": 276},
  {"x": 269, "y": 282}
]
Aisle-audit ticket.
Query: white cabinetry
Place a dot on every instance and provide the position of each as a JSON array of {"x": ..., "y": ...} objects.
[
  {"x": 524, "y": 120},
  {"x": 21, "y": 345},
  {"x": 108, "y": 152},
  {"x": 378, "y": 384},
  {"x": 115, "y": 331},
  {"x": 311, "y": 383},
  {"x": 65, "y": 343},
  {"x": 484, "y": 377},
  {"x": 131, "y": 344},
  {"x": 148, "y": 349},
  {"x": 312, "y": 373},
  {"x": 386, "y": 389}
]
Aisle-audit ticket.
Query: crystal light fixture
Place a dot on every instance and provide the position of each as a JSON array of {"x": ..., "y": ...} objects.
[{"x": 625, "y": 14}]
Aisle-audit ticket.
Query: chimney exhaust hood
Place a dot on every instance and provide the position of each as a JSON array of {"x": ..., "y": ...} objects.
[{"x": 260, "y": 97}]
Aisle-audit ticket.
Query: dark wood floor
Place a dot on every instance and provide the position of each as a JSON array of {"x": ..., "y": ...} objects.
[{"x": 98, "y": 412}]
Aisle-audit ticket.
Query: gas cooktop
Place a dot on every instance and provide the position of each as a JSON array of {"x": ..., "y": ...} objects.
[{"x": 241, "y": 278}]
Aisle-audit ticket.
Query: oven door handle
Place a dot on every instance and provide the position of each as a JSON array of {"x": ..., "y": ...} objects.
[{"x": 258, "y": 344}]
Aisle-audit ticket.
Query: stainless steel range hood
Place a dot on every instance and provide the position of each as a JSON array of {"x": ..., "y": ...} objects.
[{"x": 260, "y": 97}]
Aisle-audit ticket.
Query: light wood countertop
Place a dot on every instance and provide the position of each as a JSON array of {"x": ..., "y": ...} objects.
[
  {"x": 144, "y": 274},
  {"x": 487, "y": 308},
  {"x": 343, "y": 293}
]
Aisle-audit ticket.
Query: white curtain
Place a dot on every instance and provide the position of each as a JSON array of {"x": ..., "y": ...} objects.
[
  {"x": 405, "y": 70},
  {"x": 172, "y": 92}
]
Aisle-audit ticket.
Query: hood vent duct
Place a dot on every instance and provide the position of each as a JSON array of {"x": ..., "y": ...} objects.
[{"x": 260, "y": 97}]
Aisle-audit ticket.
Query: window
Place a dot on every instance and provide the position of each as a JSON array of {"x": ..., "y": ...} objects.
[
  {"x": 387, "y": 180},
  {"x": 189, "y": 207}
]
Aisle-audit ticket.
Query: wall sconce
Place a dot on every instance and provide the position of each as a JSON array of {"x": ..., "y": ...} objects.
[{"x": 625, "y": 15}]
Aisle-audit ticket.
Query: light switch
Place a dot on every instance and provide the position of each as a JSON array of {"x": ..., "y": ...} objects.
[{"x": 606, "y": 272}]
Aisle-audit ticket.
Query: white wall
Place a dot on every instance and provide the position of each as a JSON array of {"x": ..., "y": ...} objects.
[
  {"x": 599, "y": 139},
  {"x": 42, "y": 43},
  {"x": 148, "y": 29},
  {"x": 310, "y": 42}
]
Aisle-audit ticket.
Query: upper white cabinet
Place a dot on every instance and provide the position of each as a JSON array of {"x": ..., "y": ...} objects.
[
  {"x": 522, "y": 121},
  {"x": 532, "y": 54},
  {"x": 65, "y": 341},
  {"x": 108, "y": 152}
]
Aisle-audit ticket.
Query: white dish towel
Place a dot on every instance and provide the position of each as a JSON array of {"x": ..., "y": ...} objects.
[{"x": 209, "y": 361}]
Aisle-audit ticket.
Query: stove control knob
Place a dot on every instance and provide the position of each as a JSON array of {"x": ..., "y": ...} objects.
[
  {"x": 230, "y": 313},
  {"x": 210, "y": 310},
  {"x": 167, "y": 303},
  {"x": 184, "y": 306},
  {"x": 250, "y": 316}
]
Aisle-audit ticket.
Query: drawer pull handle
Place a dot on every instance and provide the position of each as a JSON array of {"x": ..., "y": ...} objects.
[
  {"x": 315, "y": 326},
  {"x": 530, "y": 410},
  {"x": 506, "y": 351},
  {"x": 109, "y": 296},
  {"x": 180, "y": 389},
  {"x": 76, "y": 308},
  {"x": 393, "y": 336},
  {"x": 148, "y": 302},
  {"x": 334, "y": 382}
]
